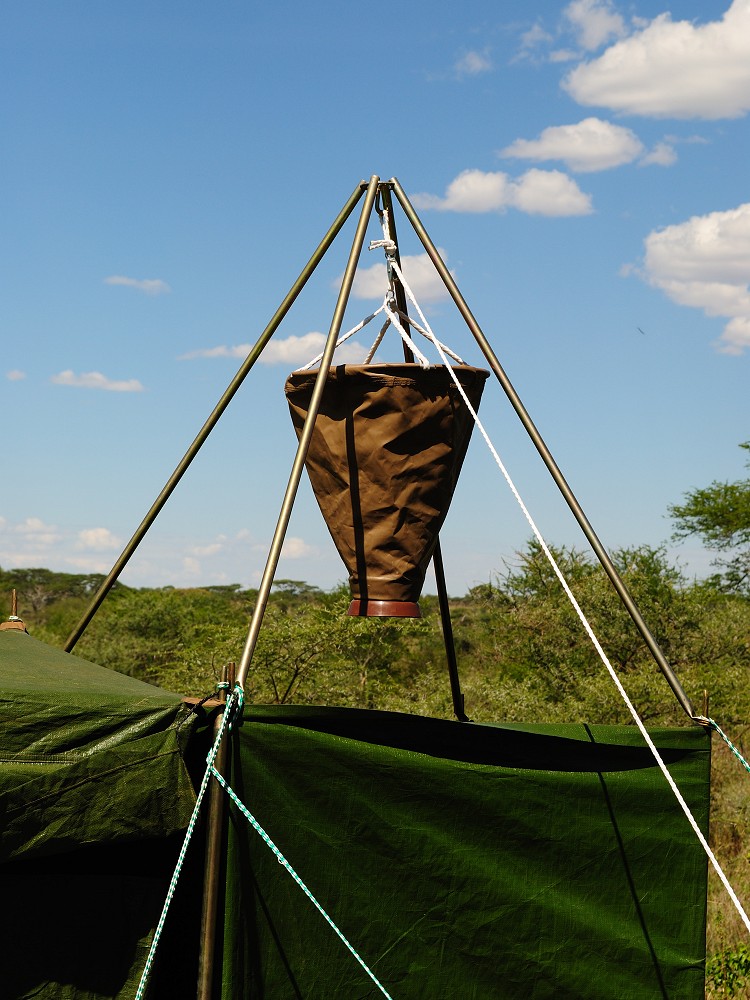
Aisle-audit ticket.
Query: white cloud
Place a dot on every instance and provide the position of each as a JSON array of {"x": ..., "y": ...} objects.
[
  {"x": 30, "y": 542},
  {"x": 297, "y": 548},
  {"x": 222, "y": 351},
  {"x": 563, "y": 55},
  {"x": 149, "y": 286},
  {"x": 536, "y": 35},
  {"x": 95, "y": 380},
  {"x": 420, "y": 274},
  {"x": 212, "y": 549},
  {"x": 191, "y": 566},
  {"x": 662, "y": 155},
  {"x": 589, "y": 145},
  {"x": 87, "y": 564},
  {"x": 14, "y": 375},
  {"x": 289, "y": 351},
  {"x": 99, "y": 539},
  {"x": 537, "y": 192},
  {"x": 595, "y": 22},
  {"x": 736, "y": 336},
  {"x": 551, "y": 193},
  {"x": 473, "y": 63},
  {"x": 36, "y": 534},
  {"x": 471, "y": 191},
  {"x": 300, "y": 350},
  {"x": 673, "y": 69},
  {"x": 704, "y": 263},
  {"x": 535, "y": 38}
]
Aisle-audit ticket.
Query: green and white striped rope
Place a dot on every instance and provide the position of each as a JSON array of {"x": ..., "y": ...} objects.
[
  {"x": 283, "y": 861},
  {"x": 717, "y": 728},
  {"x": 233, "y": 702}
]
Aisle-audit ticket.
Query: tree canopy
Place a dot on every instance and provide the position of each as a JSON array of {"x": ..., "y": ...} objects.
[
  {"x": 523, "y": 656},
  {"x": 720, "y": 515}
]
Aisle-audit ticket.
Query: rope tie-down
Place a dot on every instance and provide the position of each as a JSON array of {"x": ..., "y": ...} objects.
[
  {"x": 283, "y": 861},
  {"x": 232, "y": 710},
  {"x": 717, "y": 729}
]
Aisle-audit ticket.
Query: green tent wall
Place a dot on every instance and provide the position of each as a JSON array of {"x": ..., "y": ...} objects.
[
  {"x": 460, "y": 860},
  {"x": 95, "y": 793},
  {"x": 465, "y": 861}
]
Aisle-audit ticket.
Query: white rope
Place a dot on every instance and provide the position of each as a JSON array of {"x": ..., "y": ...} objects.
[
  {"x": 394, "y": 316},
  {"x": 390, "y": 248},
  {"x": 583, "y": 619},
  {"x": 415, "y": 326},
  {"x": 387, "y": 245},
  {"x": 378, "y": 339},
  {"x": 355, "y": 329}
]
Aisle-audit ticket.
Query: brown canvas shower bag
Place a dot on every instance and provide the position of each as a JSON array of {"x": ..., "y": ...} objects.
[{"x": 384, "y": 459}]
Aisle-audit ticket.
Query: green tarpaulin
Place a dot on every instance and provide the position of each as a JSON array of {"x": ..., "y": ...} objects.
[
  {"x": 94, "y": 796},
  {"x": 465, "y": 861},
  {"x": 460, "y": 860}
]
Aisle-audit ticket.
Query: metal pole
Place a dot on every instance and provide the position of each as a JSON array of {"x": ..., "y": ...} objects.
[
  {"x": 209, "y": 425},
  {"x": 385, "y": 197},
  {"x": 304, "y": 442},
  {"x": 214, "y": 856},
  {"x": 450, "y": 645},
  {"x": 601, "y": 553},
  {"x": 437, "y": 556}
]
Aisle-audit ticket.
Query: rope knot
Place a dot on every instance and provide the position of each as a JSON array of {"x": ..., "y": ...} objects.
[{"x": 388, "y": 245}]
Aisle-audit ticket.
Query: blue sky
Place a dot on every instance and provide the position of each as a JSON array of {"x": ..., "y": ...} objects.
[{"x": 168, "y": 169}]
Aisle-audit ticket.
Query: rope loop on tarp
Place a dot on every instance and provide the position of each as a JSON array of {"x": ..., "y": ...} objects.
[
  {"x": 231, "y": 712},
  {"x": 717, "y": 729},
  {"x": 582, "y": 617},
  {"x": 283, "y": 861}
]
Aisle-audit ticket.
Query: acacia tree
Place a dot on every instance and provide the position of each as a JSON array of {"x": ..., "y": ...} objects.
[{"x": 720, "y": 515}]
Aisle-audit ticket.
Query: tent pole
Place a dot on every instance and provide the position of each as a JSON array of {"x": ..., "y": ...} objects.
[
  {"x": 546, "y": 456},
  {"x": 218, "y": 410},
  {"x": 437, "y": 557},
  {"x": 306, "y": 435},
  {"x": 215, "y": 840}
]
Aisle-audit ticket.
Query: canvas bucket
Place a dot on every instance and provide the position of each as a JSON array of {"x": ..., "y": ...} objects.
[{"x": 384, "y": 459}]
